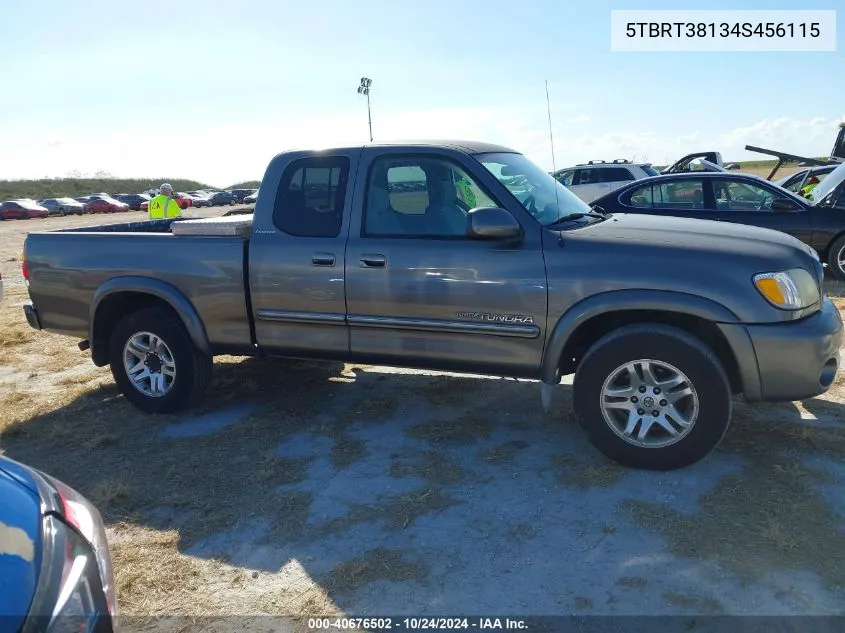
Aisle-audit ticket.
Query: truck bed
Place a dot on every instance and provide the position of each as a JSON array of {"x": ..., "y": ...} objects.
[
  {"x": 207, "y": 261},
  {"x": 225, "y": 226}
]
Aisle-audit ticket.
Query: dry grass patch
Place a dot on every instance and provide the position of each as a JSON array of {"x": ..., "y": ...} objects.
[
  {"x": 503, "y": 452},
  {"x": 579, "y": 475},
  {"x": 153, "y": 578},
  {"x": 346, "y": 452},
  {"x": 289, "y": 515},
  {"x": 449, "y": 390},
  {"x": 372, "y": 408},
  {"x": 631, "y": 582},
  {"x": 15, "y": 334},
  {"x": 282, "y": 470},
  {"x": 462, "y": 429},
  {"x": 768, "y": 518},
  {"x": 109, "y": 494},
  {"x": 522, "y": 532},
  {"x": 708, "y": 606},
  {"x": 394, "y": 513},
  {"x": 435, "y": 468},
  {"x": 377, "y": 564}
]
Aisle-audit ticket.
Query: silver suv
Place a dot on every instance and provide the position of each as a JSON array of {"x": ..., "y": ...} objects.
[{"x": 592, "y": 180}]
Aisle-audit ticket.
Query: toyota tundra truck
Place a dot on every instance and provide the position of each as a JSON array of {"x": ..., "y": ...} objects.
[{"x": 453, "y": 256}]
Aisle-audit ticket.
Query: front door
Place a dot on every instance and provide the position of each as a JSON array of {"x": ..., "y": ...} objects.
[
  {"x": 419, "y": 292},
  {"x": 296, "y": 264},
  {"x": 746, "y": 202}
]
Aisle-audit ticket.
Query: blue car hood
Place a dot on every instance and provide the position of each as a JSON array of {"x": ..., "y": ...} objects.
[{"x": 20, "y": 544}]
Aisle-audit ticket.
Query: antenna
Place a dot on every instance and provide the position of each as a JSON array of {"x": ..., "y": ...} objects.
[
  {"x": 551, "y": 136},
  {"x": 552, "y": 142}
]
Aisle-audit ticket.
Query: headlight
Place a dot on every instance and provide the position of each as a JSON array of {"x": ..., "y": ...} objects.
[{"x": 793, "y": 289}]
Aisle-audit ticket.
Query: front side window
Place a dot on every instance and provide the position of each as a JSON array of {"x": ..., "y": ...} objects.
[
  {"x": 417, "y": 196},
  {"x": 742, "y": 196},
  {"x": 311, "y": 196},
  {"x": 546, "y": 199}
]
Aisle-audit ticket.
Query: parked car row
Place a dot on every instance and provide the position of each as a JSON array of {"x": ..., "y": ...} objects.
[{"x": 26, "y": 208}]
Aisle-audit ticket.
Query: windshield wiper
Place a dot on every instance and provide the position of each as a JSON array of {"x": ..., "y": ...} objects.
[{"x": 578, "y": 216}]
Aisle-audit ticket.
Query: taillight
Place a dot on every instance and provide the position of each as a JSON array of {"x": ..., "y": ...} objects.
[
  {"x": 24, "y": 267},
  {"x": 85, "y": 519}
]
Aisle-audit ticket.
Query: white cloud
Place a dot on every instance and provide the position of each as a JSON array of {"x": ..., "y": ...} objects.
[
  {"x": 224, "y": 154},
  {"x": 810, "y": 138},
  {"x": 580, "y": 118}
]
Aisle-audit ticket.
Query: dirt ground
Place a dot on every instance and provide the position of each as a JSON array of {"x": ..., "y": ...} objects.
[{"x": 303, "y": 489}]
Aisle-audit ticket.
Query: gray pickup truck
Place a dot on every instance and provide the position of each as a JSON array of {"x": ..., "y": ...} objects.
[{"x": 456, "y": 256}]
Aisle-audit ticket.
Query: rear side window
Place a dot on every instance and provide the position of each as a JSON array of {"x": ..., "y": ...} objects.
[
  {"x": 615, "y": 174},
  {"x": 310, "y": 199},
  {"x": 677, "y": 194}
]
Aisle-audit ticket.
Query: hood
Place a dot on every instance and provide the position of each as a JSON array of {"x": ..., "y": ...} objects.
[
  {"x": 20, "y": 542},
  {"x": 692, "y": 235},
  {"x": 828, "y": 184}
]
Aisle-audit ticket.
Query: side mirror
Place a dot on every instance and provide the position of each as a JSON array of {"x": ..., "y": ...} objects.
[
  {"x": 492, "y": 223},
  {"x": 784, "y": 204}
]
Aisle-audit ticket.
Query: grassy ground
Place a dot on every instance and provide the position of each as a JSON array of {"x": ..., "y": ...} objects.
[{"x": 348, "y": 481}]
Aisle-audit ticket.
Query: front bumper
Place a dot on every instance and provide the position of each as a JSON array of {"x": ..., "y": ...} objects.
[
  {"x": 788, "y": 361},
  {"x": 31, "y": 315}
]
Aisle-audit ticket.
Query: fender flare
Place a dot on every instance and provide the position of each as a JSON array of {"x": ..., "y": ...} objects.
[
  {"x": 156, "y": 288},
  {"x": 617, "y": 300}
]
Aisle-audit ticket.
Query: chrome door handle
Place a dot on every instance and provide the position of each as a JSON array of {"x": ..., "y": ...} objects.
[
  {"x": 323, "y": 259},
  {"x": 373, "y": 260}
]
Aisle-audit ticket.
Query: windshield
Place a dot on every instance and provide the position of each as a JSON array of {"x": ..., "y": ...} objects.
[
  {"x": 828, "y": 184},
  {"x": 651, "y": 171},
  {"x": 538, "y": 192}
]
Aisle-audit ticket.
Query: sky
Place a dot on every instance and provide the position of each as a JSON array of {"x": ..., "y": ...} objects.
[{"x": 213, "y": 90}]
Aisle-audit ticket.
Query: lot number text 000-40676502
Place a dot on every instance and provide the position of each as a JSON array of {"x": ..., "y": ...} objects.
[{"x": 723, "y": 30}]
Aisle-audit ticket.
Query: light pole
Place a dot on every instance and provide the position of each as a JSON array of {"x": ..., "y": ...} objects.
[{"x": 364, "y": 89}]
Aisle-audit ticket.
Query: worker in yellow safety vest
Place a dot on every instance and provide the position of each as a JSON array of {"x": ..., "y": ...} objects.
[
  {"x": 811, "y": 184},
  {"x": 465, "y": 191},
  {"x": 164, "y": 206}
]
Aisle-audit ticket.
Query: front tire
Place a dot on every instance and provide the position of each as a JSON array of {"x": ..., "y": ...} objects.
[
  {"x": 155, "y": 364},
  {"x": 836, "y": 258},
  {"x": 652, "y": 396}
]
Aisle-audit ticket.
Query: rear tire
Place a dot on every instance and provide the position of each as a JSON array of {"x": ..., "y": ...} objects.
[
  {"x": 678, "y": 363},
  {"x": 191, "y": 369},
  {"x": 836, "y": 258}
]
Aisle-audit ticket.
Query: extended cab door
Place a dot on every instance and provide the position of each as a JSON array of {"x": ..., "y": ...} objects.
[
  {"x": 296, "y": 261},
  {"x": 419, "y": 292}
]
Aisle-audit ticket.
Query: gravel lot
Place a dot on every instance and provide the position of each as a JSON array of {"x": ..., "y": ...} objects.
[{"x": 303, "y": 488}]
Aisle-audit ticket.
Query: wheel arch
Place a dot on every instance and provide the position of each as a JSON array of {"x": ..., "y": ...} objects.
[
  {"x": 590, "y": 319},
  {"x": 124, "y": 295}
]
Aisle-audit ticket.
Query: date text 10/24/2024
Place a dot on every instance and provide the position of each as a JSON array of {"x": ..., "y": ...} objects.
[{"x": 415, "y": 624}]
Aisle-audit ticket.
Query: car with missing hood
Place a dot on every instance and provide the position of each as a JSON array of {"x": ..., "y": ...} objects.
[{"x": 55, "y": 566}]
